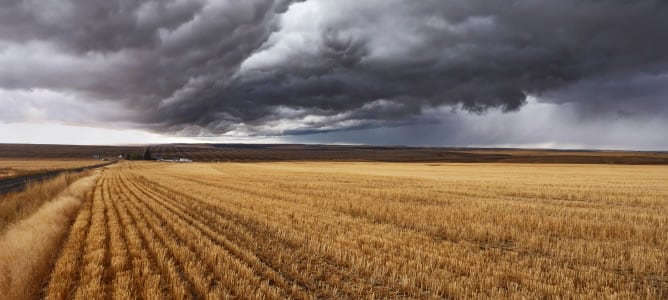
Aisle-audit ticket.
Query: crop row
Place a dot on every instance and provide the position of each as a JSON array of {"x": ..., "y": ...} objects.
[{"x": 216, "y": 231}]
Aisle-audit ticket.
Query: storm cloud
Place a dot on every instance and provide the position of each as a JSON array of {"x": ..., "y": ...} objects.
[{"x": 276, "y": 67}]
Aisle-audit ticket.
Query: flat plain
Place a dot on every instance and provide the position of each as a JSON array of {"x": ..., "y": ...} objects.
[
  {"x": 339, "y": 153},
  {"x": 368, "y": 230}
]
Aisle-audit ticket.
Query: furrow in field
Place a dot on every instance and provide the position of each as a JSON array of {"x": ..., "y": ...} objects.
[
  {"x": 355, "y": 203},
  {"x": 395, "y": 192},
  {"x": 523, "y": 241},
  {"x": 66, "y": 272},
  {"x": 350, "y": 255},
  {"x": 146, "y": 254},
  {"x": 123, "y": 286},
  {"x": 357, "y": 206},
  {"x": 385, "y": 231},
  {"x": 424, "y": 258},
  {"x": 95, "y": 256},
  {"x": 520, "y": 234},
  {"x": 324, "y": 256},
  {"x": 315, "y": 257},
  {"x": 239, "y": 277},
  {"x": 213, "y": 230},
  {"x": 286, "y": 254},
  {"x": 469, "y": 184},
  {"x": 426, "y": 254},
  {"x": 153, "y": 228}
]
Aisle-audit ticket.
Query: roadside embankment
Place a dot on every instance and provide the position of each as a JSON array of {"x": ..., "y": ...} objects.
[{"x": 28, "y": 248}]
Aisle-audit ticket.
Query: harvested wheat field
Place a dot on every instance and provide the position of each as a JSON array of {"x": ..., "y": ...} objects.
[{"x": 363, "y": 230}]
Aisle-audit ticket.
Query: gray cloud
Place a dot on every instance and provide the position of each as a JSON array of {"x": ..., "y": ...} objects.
[
  {"x": 535, "y": 125},
  {"x": 295, "y": 67},
  {"x": 637, "y": 96}
]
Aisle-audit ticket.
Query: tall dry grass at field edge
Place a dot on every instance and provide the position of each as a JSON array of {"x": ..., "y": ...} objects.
[
  {"x": 15, "y": 207},
  {"x": 28, "y": 248}
]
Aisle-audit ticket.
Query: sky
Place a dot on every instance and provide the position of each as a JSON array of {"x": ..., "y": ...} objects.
[{"x": 479, "y": 73}]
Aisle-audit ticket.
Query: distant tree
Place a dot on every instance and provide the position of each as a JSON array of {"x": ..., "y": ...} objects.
[{"x": 147, "y": 154}]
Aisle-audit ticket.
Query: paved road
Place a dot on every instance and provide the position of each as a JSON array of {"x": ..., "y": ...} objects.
[{"x": 18, "y": 183}]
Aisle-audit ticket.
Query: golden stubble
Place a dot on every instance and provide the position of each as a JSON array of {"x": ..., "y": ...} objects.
[{"x": 369, "y": 230}]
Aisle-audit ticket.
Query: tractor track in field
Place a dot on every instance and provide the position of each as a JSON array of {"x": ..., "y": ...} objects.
[{"x": 17, "y": 184}]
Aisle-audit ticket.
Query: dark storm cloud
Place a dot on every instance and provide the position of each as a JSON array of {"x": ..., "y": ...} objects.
[
  {"x": 643, "y": 95},
  {"x": 280, "y": 66}
]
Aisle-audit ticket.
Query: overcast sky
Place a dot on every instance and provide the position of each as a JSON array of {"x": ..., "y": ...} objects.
[{"x": 516, "y": 73}]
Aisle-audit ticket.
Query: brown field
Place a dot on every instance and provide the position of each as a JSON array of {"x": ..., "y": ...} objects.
[
  {"x": 277, "y": 153},
  {"x": 59, "y": 152},
  {"x": 368, "y": 230},
  {"x": 10, "y": 168},
  {"x": 324, "y": 153}
]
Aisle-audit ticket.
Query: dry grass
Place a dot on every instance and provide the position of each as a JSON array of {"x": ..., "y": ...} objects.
[
  {"x": 17, "y": 206},
  {"x": 29, "y": 247},
  {"x": 365, "y": 230},
  {"x": 16, "y": 168}
]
